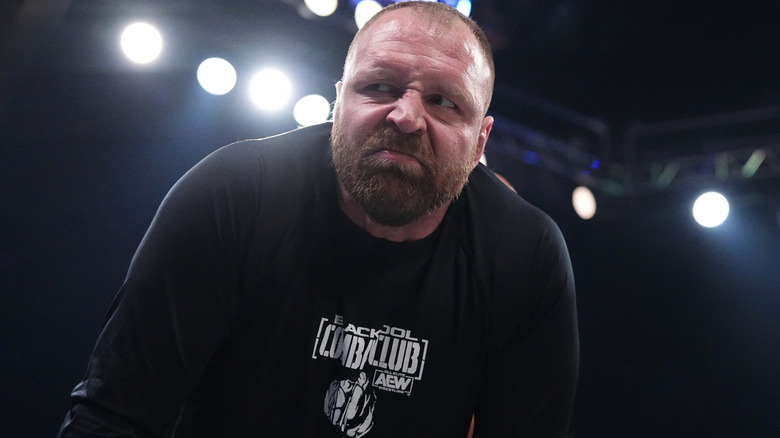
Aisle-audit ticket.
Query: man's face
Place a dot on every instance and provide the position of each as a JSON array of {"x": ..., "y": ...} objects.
[{"x": 409, "y": 121}]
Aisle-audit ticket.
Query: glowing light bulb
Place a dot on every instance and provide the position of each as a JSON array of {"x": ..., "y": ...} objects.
[
  {"x": 365, "y": 10},
  {"x": 584, "y": 202},
  {"x": 711, "y": 209},
  {"x": 141, "y": 43},
  {"x": 216, "y": 76},
  {"x": 270, "y": 89},
  {"x": 311, "y": 109},
  {"x": 323, "y": 8}
]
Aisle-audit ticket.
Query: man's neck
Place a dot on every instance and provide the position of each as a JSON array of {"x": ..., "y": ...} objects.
[{"x": 416, "y": 230}]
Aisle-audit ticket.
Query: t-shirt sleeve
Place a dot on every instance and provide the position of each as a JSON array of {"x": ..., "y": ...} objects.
[
  {"x": 528, "y": 388},
  {"x": 178, "y": 302}
]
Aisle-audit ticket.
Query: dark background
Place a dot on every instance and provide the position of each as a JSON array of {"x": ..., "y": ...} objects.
[{"x": 679, "y": 329}]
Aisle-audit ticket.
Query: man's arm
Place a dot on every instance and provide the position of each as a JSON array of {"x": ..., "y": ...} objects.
[
  {"x": 529, "y": 389},
  {"x": 174, "y": 309}
]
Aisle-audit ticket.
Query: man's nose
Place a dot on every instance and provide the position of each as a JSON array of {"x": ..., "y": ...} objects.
[{"x": 408, "y": 113}]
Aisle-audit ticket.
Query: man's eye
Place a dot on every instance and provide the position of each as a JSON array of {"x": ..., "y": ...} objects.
[
  {"x": 443, "y": 101},
  {"x": 382, "y": 88}
]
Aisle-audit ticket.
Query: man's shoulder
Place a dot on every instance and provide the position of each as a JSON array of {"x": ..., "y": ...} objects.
[
  {"x": 276, "y": 170},
  {"x": 497, "y": 209},
  {"x": 517, "y": 249},
  {"x": 300, "y": 153},
  {"x": 298, "y": 143}
]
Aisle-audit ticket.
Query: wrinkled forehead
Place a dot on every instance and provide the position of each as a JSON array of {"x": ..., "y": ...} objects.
[
  {"x": 425, "y": 34},
  {"x": 409, "y": 26}
]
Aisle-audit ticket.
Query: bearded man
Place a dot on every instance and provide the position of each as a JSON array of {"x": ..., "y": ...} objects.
[{"x": 362, "y": 278}]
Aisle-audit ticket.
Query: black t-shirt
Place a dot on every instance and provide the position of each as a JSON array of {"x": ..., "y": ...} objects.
[{"x": 255, "y": 307}]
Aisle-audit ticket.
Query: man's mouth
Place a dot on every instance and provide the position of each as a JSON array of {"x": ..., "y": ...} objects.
[{"x": 396, "y": 156}]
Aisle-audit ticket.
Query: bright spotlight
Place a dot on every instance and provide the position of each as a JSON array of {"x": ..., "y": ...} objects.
[
  {"x": 584, "y": 202},
  {"x": 270, "y": 89},
  {"x": 311, "y": 109},
  {"x": 464, "y": 7},
  {"x": 216, "y": 76},
  {"x": 141, "y": 43},
  {"x": 365, "y": 10},
  {"x": 711, "y": 209},
  {"x": 323, "y": 8}
]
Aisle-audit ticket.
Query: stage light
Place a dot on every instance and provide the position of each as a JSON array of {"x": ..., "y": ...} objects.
[
  {"x": 753, "y": 163},
  {"x": 667, "y": 175},
  {"x": 216, "y": 76},
  {"x": 311, "y": 109},
  {"x": 270, "y": 89},
  {"x": 365, "y": 10},
  {"x": 323, "y": 8},
  {"x": 464, "y": 7},
  {"x": 141, "y": 43},
  {"x": 531, "y": 157},
  {"x": 584, "y": 202},
  {"x": 711, "y": 209}
]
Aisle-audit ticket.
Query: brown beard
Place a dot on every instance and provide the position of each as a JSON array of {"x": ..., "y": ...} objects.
[{"x": 392, "y": 193}]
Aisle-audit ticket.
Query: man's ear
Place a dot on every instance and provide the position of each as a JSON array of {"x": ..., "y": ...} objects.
[
  {"x": 338, "y": 89},
  {"x": 484, "y": 133}
]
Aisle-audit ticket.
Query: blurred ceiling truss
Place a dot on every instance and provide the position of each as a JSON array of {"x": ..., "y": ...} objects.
[{"x": 701, "y": 151}]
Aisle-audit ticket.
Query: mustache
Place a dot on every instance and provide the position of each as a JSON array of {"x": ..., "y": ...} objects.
[{"x": 388, "y": 138}]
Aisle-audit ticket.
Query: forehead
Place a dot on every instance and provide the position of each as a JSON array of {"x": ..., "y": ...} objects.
[
  {"x": 413, "y": 26},
  {"x": 419, "y": 40}
]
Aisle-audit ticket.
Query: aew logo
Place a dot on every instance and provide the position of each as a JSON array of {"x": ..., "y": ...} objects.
[
  {"x": 397, "y": 357},
  {"x": 390, "y": 381}
]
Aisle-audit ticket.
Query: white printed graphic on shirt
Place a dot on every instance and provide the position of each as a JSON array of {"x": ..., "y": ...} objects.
[
  {"x": 350, "y": 406},
  {"x": 396, "y": 357}
]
